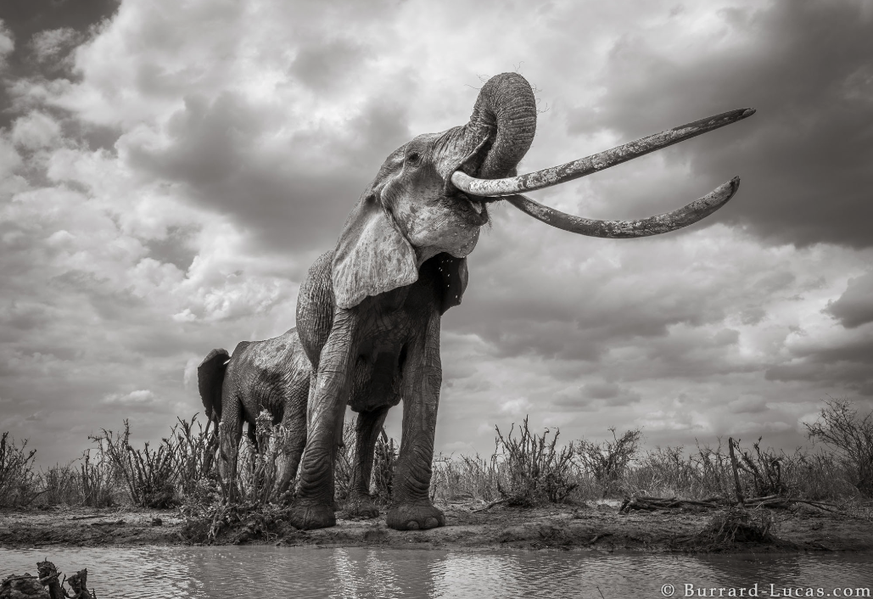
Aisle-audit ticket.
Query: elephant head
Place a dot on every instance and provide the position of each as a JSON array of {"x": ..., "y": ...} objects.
[
  {"x": 368, "y": 312},
  {"x": 412, "y": 211}
]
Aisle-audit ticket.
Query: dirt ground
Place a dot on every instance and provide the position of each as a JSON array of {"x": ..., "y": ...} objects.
[{"x": 598, "y": 527}]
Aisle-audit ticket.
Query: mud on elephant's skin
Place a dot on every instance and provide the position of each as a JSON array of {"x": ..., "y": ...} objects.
[
  {"x": 368, "y": 312},
  {"x": 272, "y": 375}
]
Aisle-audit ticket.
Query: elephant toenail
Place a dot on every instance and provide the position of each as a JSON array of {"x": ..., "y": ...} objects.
[
  {"x": 431, "y": 523},
  {"x": 412, "y": 525}
]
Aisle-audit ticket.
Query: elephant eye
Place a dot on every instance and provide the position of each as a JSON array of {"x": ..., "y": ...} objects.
[{"x": 413, "y": 158}]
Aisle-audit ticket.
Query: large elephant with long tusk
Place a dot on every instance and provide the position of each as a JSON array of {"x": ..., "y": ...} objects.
[{"x": 368, "y": 313}]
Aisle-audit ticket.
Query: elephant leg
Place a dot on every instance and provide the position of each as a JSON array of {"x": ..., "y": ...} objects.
[
  {"x": 294, "y": 423},
  {"x": 313, "y": 507},
  {"x": 230, "y": 433},
  {"x": 411, "y": 508},
  {"x": 366, "y": 432}
]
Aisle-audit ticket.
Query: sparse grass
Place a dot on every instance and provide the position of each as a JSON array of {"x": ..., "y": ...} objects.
[{"x": 464, "y": 478}]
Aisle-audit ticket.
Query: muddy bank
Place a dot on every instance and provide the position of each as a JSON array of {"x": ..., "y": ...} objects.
[{"x": 595, "y": 527}]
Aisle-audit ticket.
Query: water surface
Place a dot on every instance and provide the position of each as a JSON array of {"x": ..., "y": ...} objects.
[{"x": 364, "y": 572}]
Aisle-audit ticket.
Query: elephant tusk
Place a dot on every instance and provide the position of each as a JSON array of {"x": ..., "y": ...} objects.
[
  {"x": 596, "y": 162},
  {"x": 654, "y": 225}
]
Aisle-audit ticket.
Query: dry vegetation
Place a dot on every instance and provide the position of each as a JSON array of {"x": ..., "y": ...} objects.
[{"x": 526, "y": 469}]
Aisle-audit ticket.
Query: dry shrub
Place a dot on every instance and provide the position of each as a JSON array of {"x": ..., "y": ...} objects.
[
  {"x": 384, "y": 459},
  {"x": 608, "y": 462},
  {"x": 61, "y": 485},
  {"x": 97, "y": 480},
  {"x": 532, "y": 469},
  {"x": 664, "y": 472},
  {"x": 840, "y": 426},
  {"x": 258, "y": 465},
  {"x": 737, "y": 525},
  {"x": 149, "y": 474},
  {"x": 195, "y": 451},
  {"x": 18, "y": 481}
]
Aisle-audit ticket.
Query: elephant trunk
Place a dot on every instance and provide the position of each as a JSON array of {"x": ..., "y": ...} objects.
[{"x": 502, "y": 125}]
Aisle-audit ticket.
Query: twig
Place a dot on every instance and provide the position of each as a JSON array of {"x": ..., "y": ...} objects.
[{"x": 490, "y": 505}]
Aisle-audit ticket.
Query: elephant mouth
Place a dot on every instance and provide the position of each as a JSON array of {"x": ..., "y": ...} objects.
[
  {"x": 510, "y": 188},
  {"x": 473, "y": 208}
]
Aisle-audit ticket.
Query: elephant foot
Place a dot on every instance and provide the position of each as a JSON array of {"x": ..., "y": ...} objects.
[
  {"x": 310, "y": 516},
  {"x": 361, "y": 506},
  {"x": 415, "y": 516}
]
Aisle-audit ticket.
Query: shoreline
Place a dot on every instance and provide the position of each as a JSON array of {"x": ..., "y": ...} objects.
[{"x": 594, "y": 527}]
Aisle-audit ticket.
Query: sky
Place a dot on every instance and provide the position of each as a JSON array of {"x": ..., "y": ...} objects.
[{"x": 169, "y": 170}]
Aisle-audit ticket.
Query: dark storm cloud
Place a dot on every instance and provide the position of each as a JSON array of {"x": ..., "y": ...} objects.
[
  {"x": 805, "y": 157},
  {"x": 27, "y": 18},
  {"x": 292, "y": 196},
  {"x": 855, "y": 307}
]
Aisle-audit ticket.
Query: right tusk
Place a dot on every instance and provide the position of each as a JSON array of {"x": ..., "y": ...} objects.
[
  {"x": 596, "y": 162},
  {"x": 654, "y": 225}
]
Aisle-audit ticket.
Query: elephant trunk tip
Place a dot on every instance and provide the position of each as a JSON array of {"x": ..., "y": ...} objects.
[{"x": 749, "y": 112}]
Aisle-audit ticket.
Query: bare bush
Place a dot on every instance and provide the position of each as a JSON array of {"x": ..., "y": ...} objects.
[
  {"x": 532, "y": 469},
  {"x": 149, "y": 474},
  {"x": 195, "y": 450},
  {"x": 840, "y": 426},
  {"x": 60, "y": 486},
  {"x": 608, "y": 462},
  {"x": 18, "y": 481},
  {"x": 384, "y": 458},
  {"x": 258, "y": 466}
]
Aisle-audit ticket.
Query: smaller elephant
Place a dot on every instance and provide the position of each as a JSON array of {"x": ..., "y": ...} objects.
[{"x": 272, "y": 375}]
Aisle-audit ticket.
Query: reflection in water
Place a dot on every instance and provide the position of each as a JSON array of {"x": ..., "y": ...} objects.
[{"x": 362, "y": 573}]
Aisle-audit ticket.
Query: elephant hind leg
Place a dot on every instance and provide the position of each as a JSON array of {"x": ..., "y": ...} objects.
[
  {"x": 230, "y": 433},
  {"x": 367, "y": 429},
  {"x": 294, "y": 423}
]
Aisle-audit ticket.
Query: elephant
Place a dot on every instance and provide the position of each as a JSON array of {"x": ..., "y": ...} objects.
[
  {"x": 369, "y": 310},
  {"x": 272, "y": 375}
]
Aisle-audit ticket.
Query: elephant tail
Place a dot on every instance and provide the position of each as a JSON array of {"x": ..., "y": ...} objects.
[{"x": 210, "y": 376}]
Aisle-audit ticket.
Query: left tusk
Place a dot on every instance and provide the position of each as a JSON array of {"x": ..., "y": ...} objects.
[
  {"x": 654, "y": 225},
  {"x": 596, "y": 162}
]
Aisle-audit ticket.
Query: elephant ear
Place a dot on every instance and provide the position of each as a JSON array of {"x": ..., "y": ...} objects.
[
  {"x": 453, "y": 275},
  {"x": 372, "y": 256}
]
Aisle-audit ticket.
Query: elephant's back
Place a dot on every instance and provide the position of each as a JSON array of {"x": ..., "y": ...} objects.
[{"x": 315, "y": 305}]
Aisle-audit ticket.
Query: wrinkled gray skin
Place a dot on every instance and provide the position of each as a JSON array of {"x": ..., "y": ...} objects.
[
  {"x": 272, "y": 375},
  {"x": 368, "y": 313}
]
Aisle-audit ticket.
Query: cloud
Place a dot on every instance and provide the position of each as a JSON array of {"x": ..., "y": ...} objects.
[
  {"x": 138, "y": 397},
  {"x": 50, "y": 44},
  {"x": 36, "y": 130},
  {"x": 855, "y": 307}
]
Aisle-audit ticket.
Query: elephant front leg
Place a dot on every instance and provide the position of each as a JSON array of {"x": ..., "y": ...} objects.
[
  {"x": 367, "y": 428},
  {"x": 412, "y": 508},
  {"x": 313, "y": 507}
]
